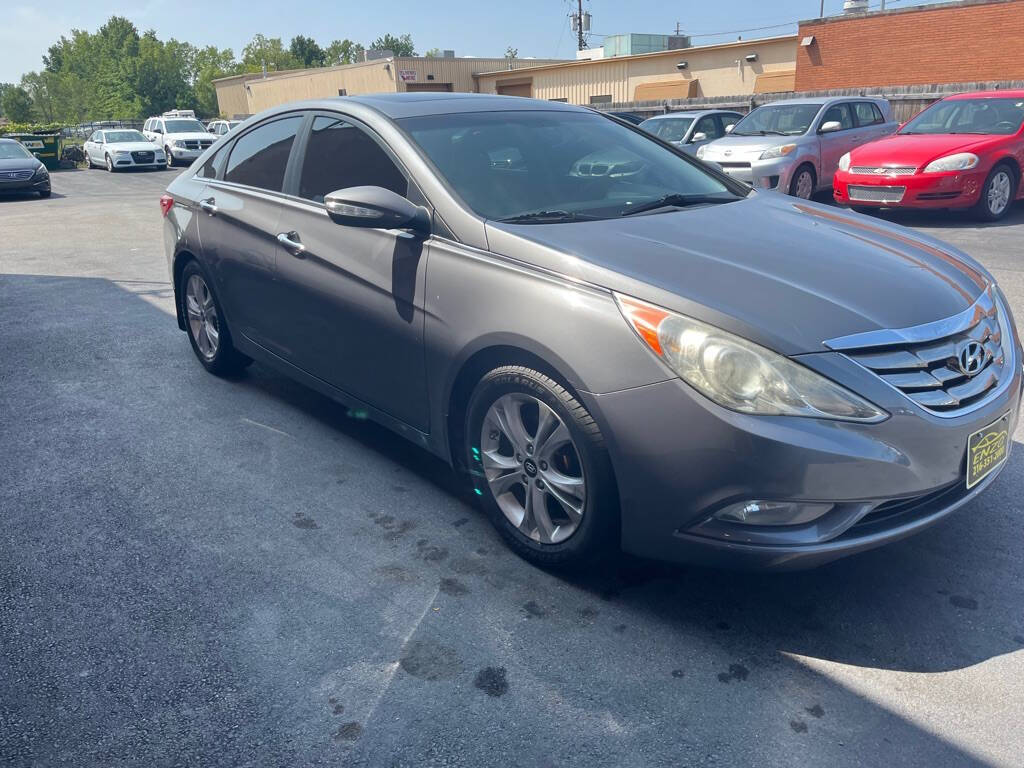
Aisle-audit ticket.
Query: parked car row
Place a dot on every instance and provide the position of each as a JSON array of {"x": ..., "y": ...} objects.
[{"x": 964, "y": 151}]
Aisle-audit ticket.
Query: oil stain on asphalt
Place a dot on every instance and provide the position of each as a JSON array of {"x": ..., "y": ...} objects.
[
  {"x": 736, "y": 672},
  {"x": 492, "y": 681}
]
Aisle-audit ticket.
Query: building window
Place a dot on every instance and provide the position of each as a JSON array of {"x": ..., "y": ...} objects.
[
  {"x": 563, "y": 101},
  {"x": 603, "y": 99},
  {"x": 343, "y": 91}
]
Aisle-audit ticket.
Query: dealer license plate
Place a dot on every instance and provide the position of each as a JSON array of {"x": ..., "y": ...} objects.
[{"x": 987, "y": 450}]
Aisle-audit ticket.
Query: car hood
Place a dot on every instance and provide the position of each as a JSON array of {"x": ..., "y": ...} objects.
[
  {"x": 133, "y": 146},
  {"x": 20, "y": 164},
  {"x": 783, "y": 272},
  {"x": 736, "y": 148},
  {"x": 190, "y": 136},
  {"x": 916, "y": 150}
]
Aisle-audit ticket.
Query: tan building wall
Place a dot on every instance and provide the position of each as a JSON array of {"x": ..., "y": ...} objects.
[
  {"x": 248, "y": 94},
  {"x": 717, "y": 70}
]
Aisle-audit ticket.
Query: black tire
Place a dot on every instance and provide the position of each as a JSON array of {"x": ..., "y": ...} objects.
[
  {"x": 597, "y": 532},
  {"x": 226, "y": 360},
  {"x": 982, "y": 210},
  {"x": 45, "y": 194},
  {"x": 110, "y": 164},
  {"x": 169, "y": 156},
  {"x": 794, "y": 182}
]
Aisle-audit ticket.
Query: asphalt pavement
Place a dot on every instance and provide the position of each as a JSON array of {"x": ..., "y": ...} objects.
[{"x": 206, "y": 572}]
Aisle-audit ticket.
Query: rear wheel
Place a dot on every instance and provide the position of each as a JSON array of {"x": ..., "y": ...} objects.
[
  {"x": 803, "y": 182},
  {"x": 205, "y": 325},
  {"x": 997, "y": 195},
  {"x": 539, "y": 465}
]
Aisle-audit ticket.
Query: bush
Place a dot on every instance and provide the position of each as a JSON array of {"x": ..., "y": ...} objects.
[{"x": 30, "y": 128}]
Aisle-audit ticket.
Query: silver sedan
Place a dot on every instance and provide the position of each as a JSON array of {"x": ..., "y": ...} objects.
[{"x": 116, "y": 149}]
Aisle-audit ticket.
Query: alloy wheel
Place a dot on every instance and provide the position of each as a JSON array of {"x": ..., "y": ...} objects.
[
  {"x": 168, "y": 157},
  {"x": 804, "y": 185},
  {"x": 110, "y": 164},
  {"x": 999, "y": 191},
  {"x": 533, "y": 468},
  {"x": 202, "y": 317}
]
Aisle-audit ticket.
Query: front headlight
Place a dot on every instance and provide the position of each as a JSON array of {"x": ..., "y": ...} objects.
[
  {"x": 844, "y": 162},
  {"x": 738, "y": 374},
  {"x": 962, "y": 161},
  {"x": 41, "y": 172},
  {"x": 123, "y": 155},
  {"x": 179, "y": 143},
  {"x": 700, "y": 151},
  {"x": 771, "y": 154}
]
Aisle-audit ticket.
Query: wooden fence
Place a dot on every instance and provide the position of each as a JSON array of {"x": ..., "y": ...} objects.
[{"x": 906, "y": 100}]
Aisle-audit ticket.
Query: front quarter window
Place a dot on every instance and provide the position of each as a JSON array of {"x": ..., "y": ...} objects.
[{"x": 547, "y": 167}]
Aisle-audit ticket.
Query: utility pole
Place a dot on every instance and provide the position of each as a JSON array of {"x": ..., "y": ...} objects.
[
  {"x": 579, "y": 25},
  {"x": 821, "y": 14}
]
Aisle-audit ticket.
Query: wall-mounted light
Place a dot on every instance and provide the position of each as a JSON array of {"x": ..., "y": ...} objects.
[
  {"x": 682, "y": 65},
  {"x": 751, "y": 57},
  {"x": 807, "y": 42}
]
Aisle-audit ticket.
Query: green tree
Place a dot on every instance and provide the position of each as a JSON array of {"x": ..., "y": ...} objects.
[
  {"x": 4, "y": 87},
  {"x": 267, "y": 51},
  {"x": 400, "y": 46},
  {"x": 17, "y": 104},
  {"x": 343, "y": 52},
  {"x": 433, "y": 53},
  {"x": 306, "y": 51}
]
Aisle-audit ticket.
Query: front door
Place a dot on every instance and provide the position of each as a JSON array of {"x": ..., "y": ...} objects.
[
  {"x": 836, "y": 143},
  {"x": 353, "y": 295}
]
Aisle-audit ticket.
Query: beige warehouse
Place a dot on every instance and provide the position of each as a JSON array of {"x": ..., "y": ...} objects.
[
  {"x": 247, "y": 94},
  {"x": 711, "y": 71}
]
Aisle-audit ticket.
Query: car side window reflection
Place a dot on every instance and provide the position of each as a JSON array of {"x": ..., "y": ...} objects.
[
  {"x": 260, "y": 157},
  {"x": 339, "y": 155},
  {"x": 839, "y": 113},
  {"x": 708, "y": 126}
]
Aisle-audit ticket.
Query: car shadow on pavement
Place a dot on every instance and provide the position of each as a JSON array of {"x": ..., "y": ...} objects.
[
  {"x": 947, "y": 219},
  {"x": 201, "y": 550}
]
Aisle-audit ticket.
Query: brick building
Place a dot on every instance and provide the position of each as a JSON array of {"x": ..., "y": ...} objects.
[{"x": 968, "y": 41}]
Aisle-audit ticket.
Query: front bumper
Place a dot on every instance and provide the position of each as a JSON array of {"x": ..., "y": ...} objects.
[
  {"x": 129, "y": 162},
  {"x": 23, "y": 187},
  {"x": 678, "y": 458},
  {"x": 181, "y": 153},
  {"x": 760, "y": 174},
  {"x": 955, "y": 189}
]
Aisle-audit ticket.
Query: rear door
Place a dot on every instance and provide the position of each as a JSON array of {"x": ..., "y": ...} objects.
[
  {"x": 238, "y": 216},
  {"x": 871, "y": 123},
  {"x": 836, "y": 144},
  {"x": 353, "y": 296}
]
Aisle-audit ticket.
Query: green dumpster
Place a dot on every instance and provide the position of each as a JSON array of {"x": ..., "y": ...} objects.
[{"x": 45, "y": 146}]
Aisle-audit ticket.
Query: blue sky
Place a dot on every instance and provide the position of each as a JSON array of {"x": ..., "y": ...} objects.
[{"x": 538, "y": 28}]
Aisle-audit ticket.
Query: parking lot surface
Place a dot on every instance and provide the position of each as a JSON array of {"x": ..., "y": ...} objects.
[{"x": 198, "y": 571}]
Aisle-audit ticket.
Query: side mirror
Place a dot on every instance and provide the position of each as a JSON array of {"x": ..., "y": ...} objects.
[
  {"x": 376, "y": 208},
  {"x": 830, "y": 127},
  {"x": 698, "y": 136},
  {"x": 728, "y": 128}
]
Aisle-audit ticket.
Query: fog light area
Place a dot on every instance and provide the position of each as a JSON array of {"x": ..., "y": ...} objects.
[{"x": 772, "y": 512}]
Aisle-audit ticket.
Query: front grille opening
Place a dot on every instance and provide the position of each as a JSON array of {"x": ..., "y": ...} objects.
[{"x": 930, "y": 373}]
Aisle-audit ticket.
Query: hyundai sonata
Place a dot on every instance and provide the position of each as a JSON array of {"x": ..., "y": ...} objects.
[{"x": 574, "y": 314}]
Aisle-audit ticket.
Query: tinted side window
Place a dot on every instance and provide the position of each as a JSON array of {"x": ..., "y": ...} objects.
[
  {"x": 839, "y": 113},
  {"x": 728, "y": 120},
  {"x": 709, "y": 126},
  {"x": 867, "y": 113},
  {"x": 210, "y": 167},
  {"x": 340, "y": 155},
  {"x": 259, "y": 158}
]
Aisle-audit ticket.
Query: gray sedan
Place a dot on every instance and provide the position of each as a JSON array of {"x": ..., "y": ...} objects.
[
  {"x": 794, "y": 146},
  {"x": 691, "y": 130},
  {"x": 572, "y": 315}
]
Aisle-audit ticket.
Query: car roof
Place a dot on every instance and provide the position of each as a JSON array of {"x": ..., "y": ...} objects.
[
  {"x": 987, "y": 95},
  {"x": 399, "y": 105},
  {"x": 694, "y": 113}
]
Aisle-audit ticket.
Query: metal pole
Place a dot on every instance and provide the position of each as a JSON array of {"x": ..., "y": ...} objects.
[
  {"x": 883, "y": 5},
  {"x": 821, "y": 14},
  {"x": 579, "y": 24}
]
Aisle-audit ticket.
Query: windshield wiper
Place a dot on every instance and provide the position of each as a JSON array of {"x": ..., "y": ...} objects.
[
  {"x": 678, "y": 201},
  {"x": 546, "y": 217}
]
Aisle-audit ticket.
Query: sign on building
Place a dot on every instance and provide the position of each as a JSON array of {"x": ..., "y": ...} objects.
[{"x": 405, "y": 75}]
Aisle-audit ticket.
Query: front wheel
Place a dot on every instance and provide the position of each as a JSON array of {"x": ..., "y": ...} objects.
[
  {"x": 110, "y": 165},
  {"x": 168, "y": 157},
  {"x": 205, "y": 325},
  {"x": 539, "y": 466},
  {"x": 997, "y": 195},
  {"x": 802, "y": 183}
]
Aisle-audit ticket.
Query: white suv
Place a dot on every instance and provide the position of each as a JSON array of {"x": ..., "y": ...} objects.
[{"x": 182, "y": 136}]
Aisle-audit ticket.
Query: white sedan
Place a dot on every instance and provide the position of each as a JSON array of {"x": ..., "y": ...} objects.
[{"x": 117, "y": 148}]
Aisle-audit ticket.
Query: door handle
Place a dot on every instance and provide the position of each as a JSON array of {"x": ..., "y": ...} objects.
[
  {"x": 208, "y": 206},
  {"x": 291, "y": 243}
]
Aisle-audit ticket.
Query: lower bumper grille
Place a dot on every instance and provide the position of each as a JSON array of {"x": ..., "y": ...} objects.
[
  {"x": 876, "y": 194},
  {"x": 938, "y": 195}
]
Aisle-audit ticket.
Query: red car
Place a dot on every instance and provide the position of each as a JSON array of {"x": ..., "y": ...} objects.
[{"x": 964, "y": 151}]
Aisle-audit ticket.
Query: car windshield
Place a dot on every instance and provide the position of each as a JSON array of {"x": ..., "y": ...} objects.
[
  {"x": 546, "y": 166},
  {"x": 114, "y": 137},
  {"x": 184, "y": 126},
  {"x": 777, "y": 120},
  {"x": 233, "y": 123},
  {"x": 13, "y": 151},
  {"x": 985, "y": 116}
]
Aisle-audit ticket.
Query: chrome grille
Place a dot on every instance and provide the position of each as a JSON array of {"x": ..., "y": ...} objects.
[
  {"x": 144, "y": 156},
  {"x": 873, "y": 170},
  {"x": 923, "y": 362},
  {"x": 876, "y": 194}
]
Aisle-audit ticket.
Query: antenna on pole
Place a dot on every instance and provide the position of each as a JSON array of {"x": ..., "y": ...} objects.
[{"x": 580, "y": 24}]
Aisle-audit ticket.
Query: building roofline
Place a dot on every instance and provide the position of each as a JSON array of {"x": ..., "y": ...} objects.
[
  {"x": 937, "y": 6},
  {"x": 671, "y": 52}
]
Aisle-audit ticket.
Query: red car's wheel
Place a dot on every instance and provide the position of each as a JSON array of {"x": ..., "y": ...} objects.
[{"x": 997, "y": 194}]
